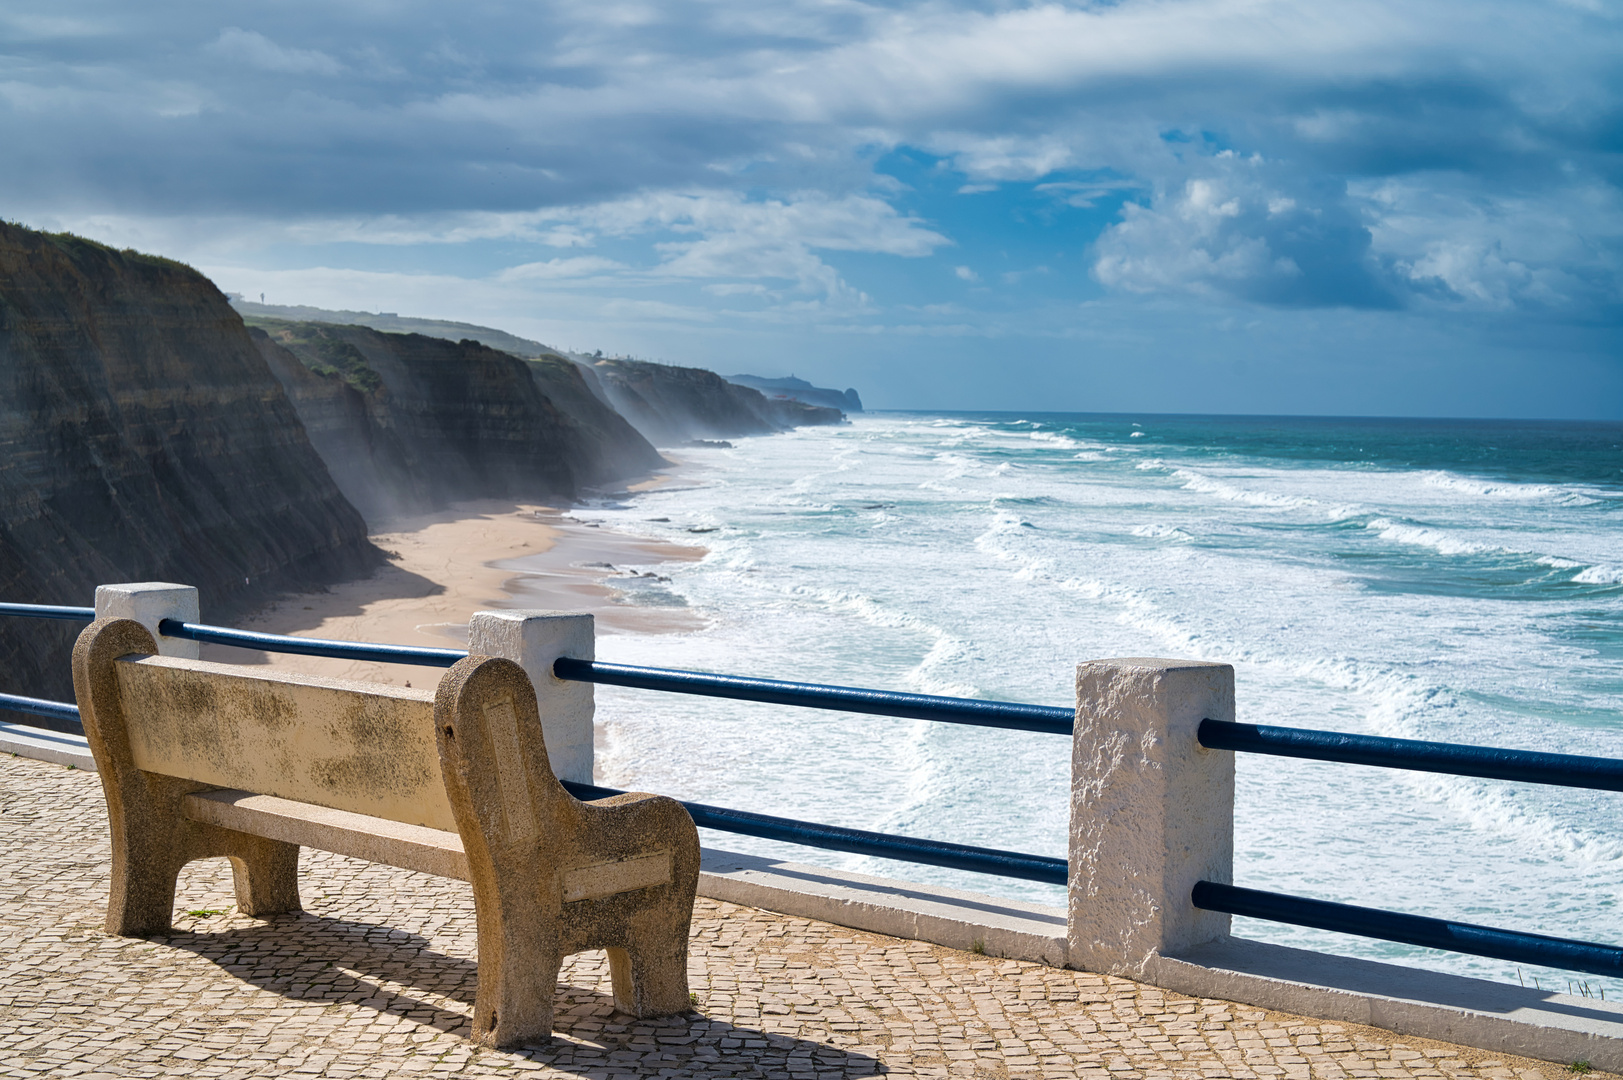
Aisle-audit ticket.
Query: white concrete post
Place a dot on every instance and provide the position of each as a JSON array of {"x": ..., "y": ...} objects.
[
  {"x": 534, "y": 639},
  {"x": 1152, "y": 811},
  {"x": 147, "y": 602}
]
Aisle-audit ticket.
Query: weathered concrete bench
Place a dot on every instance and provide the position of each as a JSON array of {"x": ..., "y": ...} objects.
[{"x": 200, "y": 759}]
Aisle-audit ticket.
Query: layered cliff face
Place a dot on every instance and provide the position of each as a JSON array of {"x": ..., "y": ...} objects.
[
  {"x": 142, "y": 437},
  {"x": 674, "y": 405},
  {"x": 408, "y": 423}
]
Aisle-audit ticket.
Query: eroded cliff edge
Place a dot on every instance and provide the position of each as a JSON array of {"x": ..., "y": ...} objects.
[
  {"x": 408, "y": 423},
  {"x": 673, "y": 405},
  {"x": 143, "y": 437}
]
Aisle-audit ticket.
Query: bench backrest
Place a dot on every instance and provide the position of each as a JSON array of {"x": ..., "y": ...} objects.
[{"x": 367, "y": 748}]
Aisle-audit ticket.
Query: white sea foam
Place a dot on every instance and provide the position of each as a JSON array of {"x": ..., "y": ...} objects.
[
  {"x": 1161, "y": 532},
  {"x": 1207, "y": 485},
  {"x": 1438, "y": 540},
  {"x": 997, "y": 583},
  {"x": 1569, "y": 496}
]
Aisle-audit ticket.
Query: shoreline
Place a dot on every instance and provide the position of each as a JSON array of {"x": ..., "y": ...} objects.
[{"x": 472, "y": 556}]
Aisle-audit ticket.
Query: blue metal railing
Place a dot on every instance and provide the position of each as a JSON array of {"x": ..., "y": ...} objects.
[
  {"x": 998, "y": 714},
  {"x": 885, "y": 845},
  {"x": 1512, "y": 945},
  {"x": 59, "y": 711},
  {"x": 1524, "y": 766},
  {"x": 49, "y": 611},
  {"x": 303, "y": 646},
  {"x": 1454, "y": 759}
]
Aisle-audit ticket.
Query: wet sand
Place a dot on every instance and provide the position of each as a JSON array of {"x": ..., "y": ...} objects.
[{"x": 470, "y": 557}]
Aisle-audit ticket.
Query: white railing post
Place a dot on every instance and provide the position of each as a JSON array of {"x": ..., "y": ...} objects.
[
  {"x": 1152, "y": 811},
  {"x": 534, "y": 640},
  {"x": 148, "y": 603}
]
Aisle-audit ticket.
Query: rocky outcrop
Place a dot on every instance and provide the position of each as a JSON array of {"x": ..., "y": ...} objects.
[
  {"x": 142, "y": 437},
  {"x": 801, "y": 390},
  {"x": 408, "y": 423},
  {"x": 675, "y": 405}
]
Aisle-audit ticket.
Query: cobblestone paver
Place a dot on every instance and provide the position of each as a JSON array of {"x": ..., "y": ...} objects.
[{"x": 376, "y": 979}]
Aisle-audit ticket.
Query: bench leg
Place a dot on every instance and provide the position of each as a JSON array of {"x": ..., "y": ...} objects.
[
  {"x": 266, "y": 873},
  {"x": 650, "y": 981},
  {"x": 514, "y": 1004},
  {"x": 141, "y": 900}
]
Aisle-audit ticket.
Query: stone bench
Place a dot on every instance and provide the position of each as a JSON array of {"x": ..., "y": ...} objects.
[{"x": 200, "y": 759}]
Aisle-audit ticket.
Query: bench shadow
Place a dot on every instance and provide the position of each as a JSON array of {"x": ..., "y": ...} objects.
[{"x": 311, "y": 958}]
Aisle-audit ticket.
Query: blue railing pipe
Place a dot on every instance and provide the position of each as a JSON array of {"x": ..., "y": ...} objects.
[
  {"x": 49, "y": 611},
  {"x": 65, "y": 715},
  {"x": 303, "y": 646},
  {"x": 1454, "y": 759},
  {"x": 999, "y": 714},
  {"x": 859, "y": 841},
  {"x": 1511, "y": 945}
]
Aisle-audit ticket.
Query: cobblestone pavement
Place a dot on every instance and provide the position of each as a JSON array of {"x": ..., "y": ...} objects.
[{"x": 377, "y": 979}]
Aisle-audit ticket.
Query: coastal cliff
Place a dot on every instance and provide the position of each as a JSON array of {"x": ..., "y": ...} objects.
[
  {"x": 674, "y": 405},
  {"x": 142, "y": 437},
  {"x": 147, "y": 433},
  {"x": 846, "y": 400},
  {"x": 408, "y": 423},
  {"x": 669, "y": 405}
]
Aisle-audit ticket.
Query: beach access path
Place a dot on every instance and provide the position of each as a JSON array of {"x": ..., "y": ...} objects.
[{"x": 376, "y": 978}]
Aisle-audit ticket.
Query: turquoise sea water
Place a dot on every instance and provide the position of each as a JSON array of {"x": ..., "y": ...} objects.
[{"x": 1452, "y": 580}]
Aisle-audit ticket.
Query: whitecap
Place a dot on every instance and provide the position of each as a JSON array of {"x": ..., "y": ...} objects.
[
  {"x": 1504, "y": 489},
  {"x": 1206, "y": 485},
  {"x": 1161, "y": 532},
  {"x": 1421, "y": 536}
]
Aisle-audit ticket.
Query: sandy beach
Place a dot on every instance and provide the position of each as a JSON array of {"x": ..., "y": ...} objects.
[{"x": 472, "y": 556}]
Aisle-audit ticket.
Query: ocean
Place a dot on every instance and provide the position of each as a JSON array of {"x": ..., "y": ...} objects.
[{"x": 1451, "y": 580}]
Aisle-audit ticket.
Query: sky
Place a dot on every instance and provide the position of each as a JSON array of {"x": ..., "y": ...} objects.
[{"x": 1366, "y": 207}]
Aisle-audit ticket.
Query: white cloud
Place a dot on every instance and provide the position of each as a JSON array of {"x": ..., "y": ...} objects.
[
  {"x": 735, "y": 237},
  {"x": 256, "y": 50},
  {"x": 1464, "y": 247},
  {"x": 1231, "y": 233},
  {"x": 964, "y": 273},
  {"x": 1002, "y": 157},
  {"x": 560, "y": 269}
]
